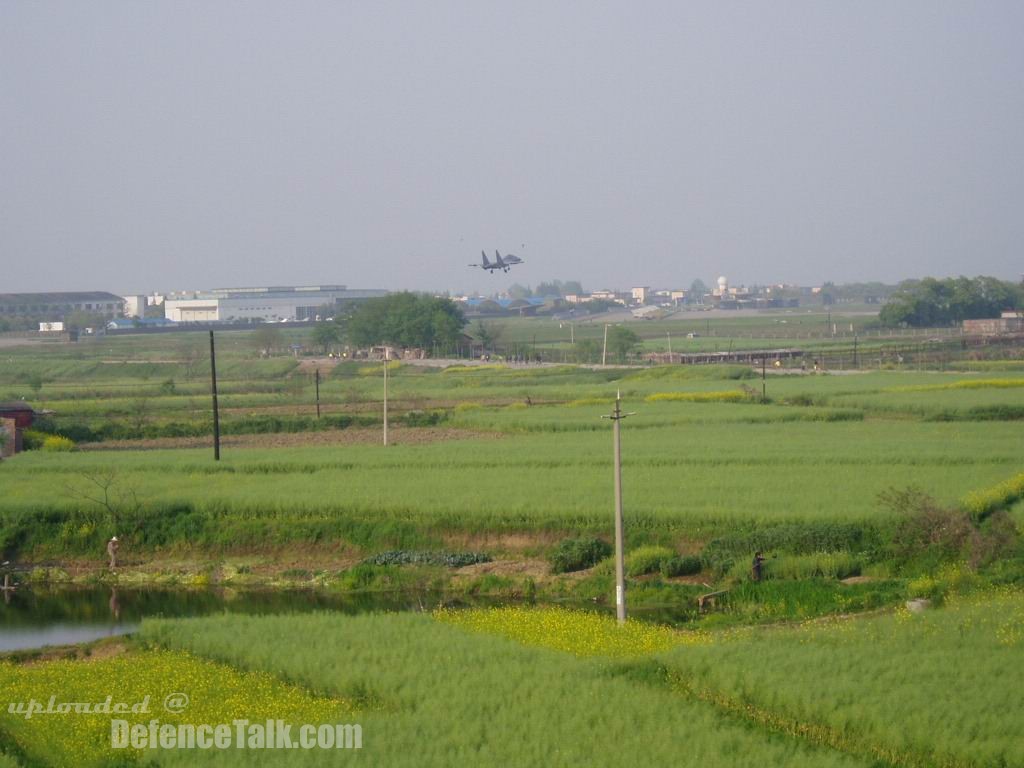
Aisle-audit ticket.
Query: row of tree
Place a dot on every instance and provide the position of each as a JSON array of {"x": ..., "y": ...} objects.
[
  {"x": 399, "y": 319},
  {"x": 429, "y": 322},
  {"x": 932, "y": 302}
]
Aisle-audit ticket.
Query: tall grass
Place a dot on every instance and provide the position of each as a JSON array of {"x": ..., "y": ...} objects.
[
  {"x": 942, "y": 688},
  {"x": 450, "y": 697}
]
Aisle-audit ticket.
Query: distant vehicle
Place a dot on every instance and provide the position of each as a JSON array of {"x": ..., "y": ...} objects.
[{"x": 503, "y": 263}]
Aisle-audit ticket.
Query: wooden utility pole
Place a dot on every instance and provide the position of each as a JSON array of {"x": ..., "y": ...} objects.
[
  {"x": 317, "y": 379},
  {"x": 216, "y": 411},
  {"x": 385, "y": 396},
  {"x": 620, "y": 557}
]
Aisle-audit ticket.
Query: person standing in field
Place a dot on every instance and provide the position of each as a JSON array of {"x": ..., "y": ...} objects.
[
  {"x": 112, "y": 546},
  {"x": 755, "y": 570}
]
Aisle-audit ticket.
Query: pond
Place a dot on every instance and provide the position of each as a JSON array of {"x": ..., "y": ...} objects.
[
  {"x": 32, "y": 618},
  {"x": 40, "y": 616}
]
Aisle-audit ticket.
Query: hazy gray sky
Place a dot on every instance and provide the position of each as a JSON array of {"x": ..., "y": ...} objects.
[{"x": 160, "y": 145}]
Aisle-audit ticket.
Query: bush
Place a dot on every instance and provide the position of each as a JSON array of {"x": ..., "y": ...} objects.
[
  {"x": 449, "y": 559},
  {"x": 981, "y": 504},
  {"x": 424, "y": 418},
  {"x": 826, "y": 565},
  {"x": 799, "y": 539},
  {"x": 577, "y": 554},
  {"x": 681, "y": 566},
  {"x": 58, "y": 444},
  {"x": 647, "y": 560},
  {"x": 32, "y": 440}
]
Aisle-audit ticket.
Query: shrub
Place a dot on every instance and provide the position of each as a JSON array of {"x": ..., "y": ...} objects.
[
  {"x": 728, "y": 396},
  {"x": 647, "y": 560},
  {"x": 57, "y": 443},
  {"x": 577, "y": 554},
  {"x": 32, "y": 440},
  {"x": 449, "y": 559},
  {"x": 796, "y": 538},
  {"x": 424, "y": 418},
  {"x": 827, "y": 565},
  {"x": 926, "y": 587},
  {"x": 681, "y": 566},
  {"x": 981, "y": 504}
]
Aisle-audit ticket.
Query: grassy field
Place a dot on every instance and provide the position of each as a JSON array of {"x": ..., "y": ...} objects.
[
  {"x": 448, "y": 696},
  {"x": 529, "y": 686},
  {"x": 864, "y": 488},
  {"x": 704, "y": 451},
  {"x": 941, "y": 688}
]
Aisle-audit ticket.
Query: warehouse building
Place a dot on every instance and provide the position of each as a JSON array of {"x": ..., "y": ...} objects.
[
  {"x": 273, "y": 304},
  {"x": 57, "y": 306}
]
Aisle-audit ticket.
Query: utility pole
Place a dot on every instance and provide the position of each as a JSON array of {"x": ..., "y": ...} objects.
[
  {"x": 604, "y": 352},
  {"x": 668, "y": 334},
  {"x": 216, "y": 411},
  {"x": 386, "y": 355},
  {"x": 317, "y": 378},
  {"x": 855, "y": 365},
  {"x": 764, "y": 391},
  {"x": 620, "y": 559},
  {"x": 572, "y": 333}
]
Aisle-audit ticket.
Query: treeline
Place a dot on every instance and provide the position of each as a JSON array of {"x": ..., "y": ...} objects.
[
  {"x": 932, "y": 302},
  {"x": 401, "y": 319}
]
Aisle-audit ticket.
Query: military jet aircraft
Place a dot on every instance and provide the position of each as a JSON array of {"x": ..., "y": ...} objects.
[{"x": 503, "y": 263}]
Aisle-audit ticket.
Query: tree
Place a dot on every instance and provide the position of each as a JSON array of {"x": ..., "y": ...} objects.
[
  {"x": 587, "y": 351},
  {"x": 487, "y": 333},
  {"x": 406, "y": 320},
  {"x": 267, "y": 338},
  {"x": 697, "y": 291},
  {"x": 78, "y": 320},
  {"x": 596, "y": 306},
  {"x": 190, "y": 354},
  {"x": 326, "y": 334},
  {"x": 931, "y": 302},
  {"x": 115, "y": 500},
  {"x": 622, "y": 343},
  {"x": 139, "y": 413}
]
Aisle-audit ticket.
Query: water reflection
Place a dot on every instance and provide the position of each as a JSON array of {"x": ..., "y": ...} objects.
[{"x": 32, "y": 618}]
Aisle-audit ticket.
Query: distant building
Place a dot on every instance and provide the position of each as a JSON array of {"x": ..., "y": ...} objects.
[
  {"x": 640, "y": 294},
  {"x": 15, "y": 418},
  {"x": 135, "y": 305},
  {"x": 273, "y": 304},
  {"x": 57, "y": 306},
  {"x": 1009, "y": 322}
]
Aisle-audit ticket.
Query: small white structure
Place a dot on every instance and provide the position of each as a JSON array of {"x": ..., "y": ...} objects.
[
  {"x": 723, "y": 285},
  {"x": 135, "y": 305},
  {"x": 51, "y": 327}
]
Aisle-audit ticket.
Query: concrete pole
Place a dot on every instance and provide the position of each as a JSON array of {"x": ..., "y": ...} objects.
[
  {"x": 385, "y": 397},
  {"x": 216, "y": 410},
  {"x": 620, "y": 555},
  {"x": 604, "y": 352}
]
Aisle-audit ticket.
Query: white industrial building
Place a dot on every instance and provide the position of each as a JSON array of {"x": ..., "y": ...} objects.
[{"x": 273, "y": 304}]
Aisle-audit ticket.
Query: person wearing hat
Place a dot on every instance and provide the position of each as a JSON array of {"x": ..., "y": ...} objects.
[{"x": 112, "y": 546}]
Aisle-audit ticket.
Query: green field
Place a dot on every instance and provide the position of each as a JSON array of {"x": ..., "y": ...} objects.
[
  {"x": 864, "y": 489},
  {"x": 554, "y": 687}
]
